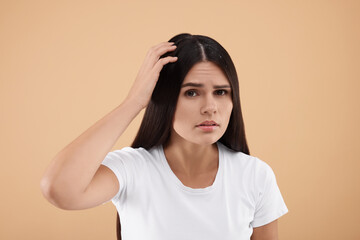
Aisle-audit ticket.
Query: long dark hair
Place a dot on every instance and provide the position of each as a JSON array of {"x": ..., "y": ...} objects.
[{"x": 156, "y": 125}]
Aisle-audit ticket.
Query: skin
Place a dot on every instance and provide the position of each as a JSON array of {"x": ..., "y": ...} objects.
[
  {"x": 75, "y": 178},
  {"x": 266, "y": 232},
  {"x": 192, "y": 152}
]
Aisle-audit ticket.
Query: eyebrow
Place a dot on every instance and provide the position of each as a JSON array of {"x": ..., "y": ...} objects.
[{"x": 202, "y": 85}]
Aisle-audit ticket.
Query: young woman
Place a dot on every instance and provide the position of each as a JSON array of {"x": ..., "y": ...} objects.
[{"x": 188, "y": 173}]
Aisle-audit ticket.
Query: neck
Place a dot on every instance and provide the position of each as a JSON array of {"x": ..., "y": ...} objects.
[{"x": 191, "y": 159}]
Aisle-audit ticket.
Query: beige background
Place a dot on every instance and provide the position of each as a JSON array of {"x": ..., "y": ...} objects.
[{"x": 65, "y": 64}]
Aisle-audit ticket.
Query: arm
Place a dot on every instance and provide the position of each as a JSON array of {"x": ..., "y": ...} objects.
[
  {"x": 266, "y": 232},
  {"x": 75, "y": 178},
  {"x": 66, "y": 183}
]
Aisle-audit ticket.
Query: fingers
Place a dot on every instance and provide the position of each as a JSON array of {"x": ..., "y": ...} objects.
[
  {"x": 149, "y": 72},
  {"x": 160, "y": 46},
  {"x": 157, "y": 51},
  {"x": 163, "y": 61}
]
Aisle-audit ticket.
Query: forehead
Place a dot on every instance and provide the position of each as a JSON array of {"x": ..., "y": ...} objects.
[{"x": 206, "y": 72}]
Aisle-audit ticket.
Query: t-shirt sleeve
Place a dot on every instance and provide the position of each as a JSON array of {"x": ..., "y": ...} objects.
[
  {"x": 117, "y": 162},
  {"x": 270, "y": 204}
]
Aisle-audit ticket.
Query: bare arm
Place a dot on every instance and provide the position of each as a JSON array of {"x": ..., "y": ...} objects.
[
  {"x": 73, "y": 168},
  {"x": 75, "y": 179},
  {"x": 266, "y": 232}
]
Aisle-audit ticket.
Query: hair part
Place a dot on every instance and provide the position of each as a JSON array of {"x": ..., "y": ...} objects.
[{"x": 156, "y": 125}]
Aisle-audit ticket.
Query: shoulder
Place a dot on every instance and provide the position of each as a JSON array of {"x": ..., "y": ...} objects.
[
  {"x": 129, "y": 152},
  {"x": 131, "y": 157},
  {"x": 246, "y": 166},
  {"x": 243, "y": 159}
]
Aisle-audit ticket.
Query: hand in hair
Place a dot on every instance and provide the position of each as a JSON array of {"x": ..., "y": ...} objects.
[{"x": 149, "y": 72}]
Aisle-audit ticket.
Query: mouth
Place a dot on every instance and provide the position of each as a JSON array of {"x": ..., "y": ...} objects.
[
  {"x": 207, "y": 128},
  {"x": 208, "y": 124}
]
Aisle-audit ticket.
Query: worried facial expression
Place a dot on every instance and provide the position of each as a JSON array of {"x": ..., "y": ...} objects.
[{"x": 204, "y": 105}]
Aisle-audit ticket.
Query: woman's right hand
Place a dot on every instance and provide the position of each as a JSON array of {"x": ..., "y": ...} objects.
[{"x": 149, "y": 72}]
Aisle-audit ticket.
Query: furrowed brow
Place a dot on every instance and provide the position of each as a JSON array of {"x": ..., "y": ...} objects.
[
  {"x": 202, "y": 85},
  {"x": 222, "y": 86}
]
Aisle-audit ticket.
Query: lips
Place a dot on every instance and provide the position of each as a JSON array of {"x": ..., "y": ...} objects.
[{"x": 208, "y": 123}]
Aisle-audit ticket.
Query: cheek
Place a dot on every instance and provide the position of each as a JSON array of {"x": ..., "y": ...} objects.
[
  {"x": 230, "y": 108},
  {"x": 227, "y": 111},
  {"x": 226, "y": 106},
  {"x": 182, "y": 115}
]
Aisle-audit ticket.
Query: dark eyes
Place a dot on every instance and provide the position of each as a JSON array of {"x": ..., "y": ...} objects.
[{"x": 193, "y": 93}]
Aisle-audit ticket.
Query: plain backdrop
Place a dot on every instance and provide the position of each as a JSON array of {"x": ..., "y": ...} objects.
[{"x": 66, "y": 64}]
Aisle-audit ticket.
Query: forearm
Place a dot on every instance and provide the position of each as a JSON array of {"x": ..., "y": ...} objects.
[{"x": 72, "y": 169}]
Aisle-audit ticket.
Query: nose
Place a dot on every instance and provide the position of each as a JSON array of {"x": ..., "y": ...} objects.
[{"x": 209, "y": 106}]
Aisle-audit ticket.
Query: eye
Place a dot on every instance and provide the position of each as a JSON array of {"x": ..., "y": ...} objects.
[
  {"x": 221, "y": 92},
  {"x": 190, "y": 93}
]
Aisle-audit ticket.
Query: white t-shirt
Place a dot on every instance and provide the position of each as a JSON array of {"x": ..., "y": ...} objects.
[{"x": 154, "y": 204}]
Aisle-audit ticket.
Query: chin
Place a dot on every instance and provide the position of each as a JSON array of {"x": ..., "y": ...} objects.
[
  {"x": 204, "y": 140},
  {"x": 198, "y": 137}
]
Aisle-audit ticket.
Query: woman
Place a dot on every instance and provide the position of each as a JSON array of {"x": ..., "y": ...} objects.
[{"x": 188, "y": 173}]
